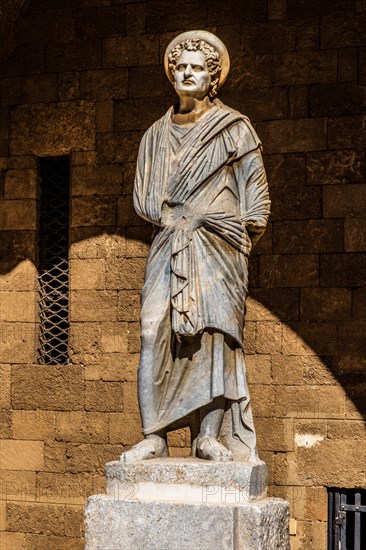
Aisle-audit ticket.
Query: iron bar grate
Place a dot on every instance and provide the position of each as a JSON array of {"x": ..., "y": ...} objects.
[
  {"x": 53, "y": 260},
  {"x": 346, "y": 519}
]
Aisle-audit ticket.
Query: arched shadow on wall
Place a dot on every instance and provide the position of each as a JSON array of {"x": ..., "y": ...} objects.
[{"x": 320, "y": 316}]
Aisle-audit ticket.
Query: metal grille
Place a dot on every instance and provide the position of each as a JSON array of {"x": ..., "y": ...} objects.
[
  {"x": 53, "y": 260},
  {"x": 346, "y": 519}
]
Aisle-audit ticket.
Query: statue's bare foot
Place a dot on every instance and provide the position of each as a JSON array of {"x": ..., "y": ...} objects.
[
  {"x": 154, "y": 447},
  {"x": 210, "y": 449}
]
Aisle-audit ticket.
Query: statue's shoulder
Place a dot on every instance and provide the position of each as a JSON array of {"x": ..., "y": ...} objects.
[
  {"x": 241, "y": 129},
  {"x": 158, "y": 125}
]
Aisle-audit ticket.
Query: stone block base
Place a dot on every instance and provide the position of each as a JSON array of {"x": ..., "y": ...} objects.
[
  {"x": 186, "y": 504},
  {"x": 134, "y": 525}
]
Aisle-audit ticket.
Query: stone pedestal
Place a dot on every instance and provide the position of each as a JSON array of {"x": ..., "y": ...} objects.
[{"x": 186, "y": 504}]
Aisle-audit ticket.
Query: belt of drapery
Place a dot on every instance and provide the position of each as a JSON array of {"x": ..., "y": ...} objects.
[{"x": 227, "y": 225}]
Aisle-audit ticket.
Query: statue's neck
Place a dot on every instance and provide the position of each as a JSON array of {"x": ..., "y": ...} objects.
[{"x": 190, "y": 110}]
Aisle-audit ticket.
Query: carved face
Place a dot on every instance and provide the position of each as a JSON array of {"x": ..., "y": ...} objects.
[{"x": 191, "y": 76}]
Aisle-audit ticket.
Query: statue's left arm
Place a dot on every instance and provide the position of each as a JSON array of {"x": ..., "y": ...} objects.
[{"x": 252, "y": 182}]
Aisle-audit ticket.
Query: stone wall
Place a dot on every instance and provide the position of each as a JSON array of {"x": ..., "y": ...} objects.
[{"x": 86, "y": 79}]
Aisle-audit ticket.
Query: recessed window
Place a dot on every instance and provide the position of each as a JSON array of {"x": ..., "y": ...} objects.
[
  {"x": 346, "y": 519},
  {"x": 53, "y": 260}
]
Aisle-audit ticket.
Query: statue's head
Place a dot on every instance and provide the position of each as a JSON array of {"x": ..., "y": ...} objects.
[{"x": 204, "y": 54}]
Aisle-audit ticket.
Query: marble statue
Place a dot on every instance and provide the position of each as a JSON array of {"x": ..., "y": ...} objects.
[{"x": 200, "y": 179}]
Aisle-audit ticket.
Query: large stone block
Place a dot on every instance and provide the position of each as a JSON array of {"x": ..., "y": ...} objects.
[
  {"x": 293, "y": 203},
  {"x": 347, "y": 132},
  {"x": 82, "y": 427},
  {"x": 160, "y": 20},
  {"x": 306, "y": 67},
  {"x": 73, "y": 56},
  {"x": 44, "y": 129},
  {"x": 47, "y": 386},
  {"x": 21, "y": 455},
  {"x": 104, "y": 84},
  {"x": 325, "y": 304},
  {"x": 312, "y": 8},
  {"x": 99, "y": 22},
  {"x": 343, "y": 270},
  {"x": 355, "y": 235},
  {"x": 187, "y": 480},
  {"x": 90, "y": 457},
  {"x": 229, "y": 12},
  {"x": 285, "y": 136},
  {"x": 18, "y": 485},
  {"x": 129, "y": 51},
  {"x": 36, "y": 518},
  {"x": 138, "y": 114},
  {"x": 337, "y": 99},
  {"x": 329, "y": 167},
  {"x": 258, "y": 104},
  {"x": 289, "y": 271},
  {"x": 343, "y": 30},
  {"x": 308, "y": 236},
  {"x": 18, "y": 214},
  {"x": 268, "y": 38},
  {"x": 21, "y": 184},
  {"x": 102, "y": 179},
  {"x": 221, "y": 506},
  {"x": 344, "y": 201}
]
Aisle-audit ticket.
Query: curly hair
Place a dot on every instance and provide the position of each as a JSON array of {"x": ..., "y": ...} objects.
[{"x": 213, "y": 60}]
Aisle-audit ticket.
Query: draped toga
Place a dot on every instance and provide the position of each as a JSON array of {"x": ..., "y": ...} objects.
[{"x": 205, "y": 187}]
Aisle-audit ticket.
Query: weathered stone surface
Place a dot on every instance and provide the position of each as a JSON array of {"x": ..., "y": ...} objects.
[
  {"x": 36, "y": 518},
  {"x": 267, "y": 38},
  {"x": 289, "y": 271},
  {"x": 44, "y": 129},
  {"x": 160, "y": 20},
  {"x": 33, "y": 424},
  {"x": 74, "y": 56},
  {"x": 137, "y": 114},
  {"x": 231, "y": 12},
  {"x": 347, "y": 132},
  {"x": 308, "y": 236},
  {"x": 82, "y": 427},
  {"x": 334, "y": 99},
  {"x": 35, "y": 387},
  {"x": 331, "y": 304},
  {"x": 259, "y": 104},
  {"x": 99, "y": 22},
  {"x": 329, "y": 167},
  {"x": 21, "y": 455},
  {"x": 344, "y": 201},
  {"x": 130, "y": 51},
  {"x": 306, "y": 67},
  {"x": 292, "y": 203},
  {"x": 312, "y": 8},
  {"x": 118, "y": 147},
  {"x": 343, "y": 270},
  {"x": 90, "y": 457},
  {"x": 18, "y": 214},
  {"x": 286, "y": 136},
  {"x": 104, "y": 84},
  {"x": 343, "y": 30},
  {"x": 21, "y": 184},
  {"x": 355, "y": 235},
  {"x": 103, "y": 396},
  {"x": 256, "y": 526},
  {"x": 84, "y": 302},
  {"x": 186, "y": 480}
]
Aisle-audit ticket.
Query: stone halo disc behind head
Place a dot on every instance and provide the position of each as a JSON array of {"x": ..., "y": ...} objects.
[{"x": 208, "y": 37}]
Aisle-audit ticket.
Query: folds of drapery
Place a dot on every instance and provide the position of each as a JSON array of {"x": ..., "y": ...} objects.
[{"x": 208, "y": 242}]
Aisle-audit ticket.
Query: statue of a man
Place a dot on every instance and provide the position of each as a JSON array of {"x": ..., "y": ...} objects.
[{"x": 200, "y": 179}]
